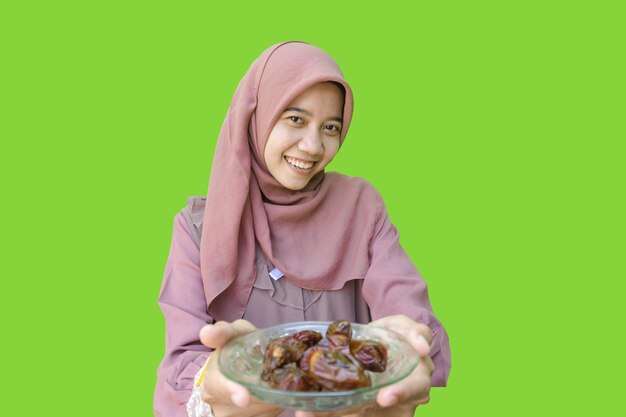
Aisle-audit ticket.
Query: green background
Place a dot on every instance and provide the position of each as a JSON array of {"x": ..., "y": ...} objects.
[{"x": 493, "y": 129}]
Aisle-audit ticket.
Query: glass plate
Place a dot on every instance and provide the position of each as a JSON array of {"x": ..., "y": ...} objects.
[{"x": 241, "y": 360}]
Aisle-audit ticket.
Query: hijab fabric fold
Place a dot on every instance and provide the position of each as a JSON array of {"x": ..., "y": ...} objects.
[{"x": 315, "y": 236}]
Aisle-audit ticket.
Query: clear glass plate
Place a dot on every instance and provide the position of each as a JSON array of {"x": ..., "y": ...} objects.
[{"x": 241, "y": 360}]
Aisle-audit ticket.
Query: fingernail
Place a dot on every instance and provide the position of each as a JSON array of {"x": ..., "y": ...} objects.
[
  {"x": 423, "y": 345},
  {"x": 237, "y": 399},
  {"x": 392, "y": 399}
]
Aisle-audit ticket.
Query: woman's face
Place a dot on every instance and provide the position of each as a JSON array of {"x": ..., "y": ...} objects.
[{"x": 306, "y": 136}]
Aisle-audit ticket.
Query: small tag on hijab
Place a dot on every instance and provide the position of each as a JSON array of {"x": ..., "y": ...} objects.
[{"x": 276, "y": 274}]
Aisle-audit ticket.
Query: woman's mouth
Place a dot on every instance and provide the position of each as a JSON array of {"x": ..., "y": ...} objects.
[{"x": 298, "y": 165}]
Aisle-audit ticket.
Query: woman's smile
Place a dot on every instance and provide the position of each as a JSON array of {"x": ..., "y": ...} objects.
[{"x": 299, "y": 166}]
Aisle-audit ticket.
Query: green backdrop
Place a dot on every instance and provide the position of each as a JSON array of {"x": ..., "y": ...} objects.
[{"x": 493, "y": 129}]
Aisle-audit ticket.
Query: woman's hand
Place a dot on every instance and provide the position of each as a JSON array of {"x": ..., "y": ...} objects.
[
  {"x": 226, "y": 397},
  {"x": 401, "y": 398}
]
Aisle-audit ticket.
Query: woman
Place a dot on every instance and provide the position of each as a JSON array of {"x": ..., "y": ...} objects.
[{"x": 277, "y": 239}]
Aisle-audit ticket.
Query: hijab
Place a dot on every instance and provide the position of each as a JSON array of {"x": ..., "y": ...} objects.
[{"x": 318, "y": 236}]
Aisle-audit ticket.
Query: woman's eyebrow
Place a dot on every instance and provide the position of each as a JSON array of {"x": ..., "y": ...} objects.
[
  {"x": 299, "y": 110},
  {"x": 308, "y": 113}
]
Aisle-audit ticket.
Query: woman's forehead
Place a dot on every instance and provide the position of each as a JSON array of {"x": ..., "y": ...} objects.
[{"x": 327, "y": 90}]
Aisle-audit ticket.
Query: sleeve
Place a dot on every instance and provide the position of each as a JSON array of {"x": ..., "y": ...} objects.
[
  {"x": 393, "y": 285},
  {"x": 184, "y": 306}
]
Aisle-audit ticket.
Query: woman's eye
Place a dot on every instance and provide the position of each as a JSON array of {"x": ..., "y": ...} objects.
[
  {"x": 333, "y": 128},
  {"x": 295, "y": 119}
]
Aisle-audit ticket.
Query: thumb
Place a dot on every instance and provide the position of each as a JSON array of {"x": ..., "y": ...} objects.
[{"x": 218, "y": 334}]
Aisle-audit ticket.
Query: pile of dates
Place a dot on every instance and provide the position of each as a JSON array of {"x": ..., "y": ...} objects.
[{"x": 306, "y": 361}]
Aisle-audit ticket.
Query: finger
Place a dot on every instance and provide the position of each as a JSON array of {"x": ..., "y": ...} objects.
[
  {"x": 428, "y": 362},
  {"x": 271, "y": 413},
  {"x": 224, "y": 391},
  {"x": 417, "y": 334},
  {"x": 402, "y": 324},
  {"x": 310, "y": 414},
  {"x": 304, "y": 414},
  {"x": 405, "y": 410},
  {"x": 412, "y": 389},
  {"x": 259, "y": 410},
  {"x": 424, "y": 400},
  {"x": 218, "y": 334},
  {"x": 218, "y": 388},
  {"x": 230, "y": 395},
  {"x": 420, "y": 344},
  {"x": 340, "y": 413}
]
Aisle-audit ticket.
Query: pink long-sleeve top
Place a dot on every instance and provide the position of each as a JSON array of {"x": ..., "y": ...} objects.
[{"x": 277, "y": 301}]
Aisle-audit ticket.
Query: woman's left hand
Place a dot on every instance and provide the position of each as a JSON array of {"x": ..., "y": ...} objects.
[{"x": 401, "y": 398}]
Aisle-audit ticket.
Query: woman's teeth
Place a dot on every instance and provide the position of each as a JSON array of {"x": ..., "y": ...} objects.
[{"x": 298, "y": 163}]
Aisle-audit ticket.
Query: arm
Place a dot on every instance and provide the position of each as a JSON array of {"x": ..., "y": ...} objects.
[
  {"x": 191, "y": 338},
  {"x": 393, "y": 286},
  {"x": 183, "y": 304}
]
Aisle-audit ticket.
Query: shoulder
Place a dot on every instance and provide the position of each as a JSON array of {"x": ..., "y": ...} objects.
[
  {"x": 342, "y": 181},
  {"x": 357, "y": 187},
  {"x": 193, "y": 214},
  {"x": 195, "y": 207},
  {"x": 358, "y": 195}
]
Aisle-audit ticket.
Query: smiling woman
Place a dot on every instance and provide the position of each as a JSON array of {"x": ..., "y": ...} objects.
[
  {"x": 278, "y": 239},
  {"x": 306, "y": 136}
]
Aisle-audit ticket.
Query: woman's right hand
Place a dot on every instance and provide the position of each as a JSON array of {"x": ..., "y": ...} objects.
[{"x": 227, "y": 398}]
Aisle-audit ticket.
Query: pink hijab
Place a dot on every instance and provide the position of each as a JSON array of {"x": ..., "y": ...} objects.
[{"x": 315, "y": 236}]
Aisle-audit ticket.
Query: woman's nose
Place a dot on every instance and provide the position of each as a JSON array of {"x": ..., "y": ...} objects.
[{"x": 311, "y": 143}]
